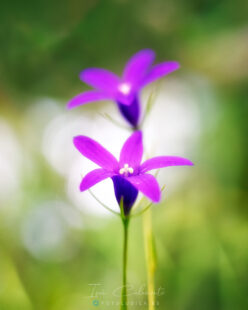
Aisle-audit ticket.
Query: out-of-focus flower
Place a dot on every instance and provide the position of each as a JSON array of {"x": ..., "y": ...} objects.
[
  {"x": 124, "y": 90},
  {"x": 128, "y": 174}
]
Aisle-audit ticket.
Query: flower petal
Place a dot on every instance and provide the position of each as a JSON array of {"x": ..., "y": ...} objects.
[
  {"x": 87, "y": 97},
  {"x": 94, "y": 177},
  {"x": 95, "y": 152},
  {"x": 161, "y": 70},
  {"x": 137, "y": 67},
  {"x": 132, "y": 151},
  {"x": 131, "y": 112},
  {"x": 126, "y": 191},
  {"x": 164, "y": 161},
  {"x": 101, "y": 79},
  {"x": 148, "y": 185}
]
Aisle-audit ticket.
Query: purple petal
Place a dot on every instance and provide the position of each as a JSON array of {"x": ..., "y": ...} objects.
[
  {"x": 87, "y": 97},
  {"x": 101, "y": 79},
  {"x": 164, "y": 161},
  {"x": 132, "y": 151},
  {"x": 95, "y": 152},
  {"x": 147, "y": 184},
  {"x": 161, "y": 70},
  {"x": 126, "y": 191},
  {"x": 138, "y": 66},
  {"x": 131, "y": 112},
  {"x": 94, "y": 177}
]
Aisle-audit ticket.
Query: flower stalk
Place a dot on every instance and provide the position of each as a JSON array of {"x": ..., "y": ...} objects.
[
  {"x": 150, "y": 258},
  {"x": 125, "y": 222}
]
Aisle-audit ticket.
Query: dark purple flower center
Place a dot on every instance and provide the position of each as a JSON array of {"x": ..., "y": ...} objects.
[
  {"x": 126, "y": 191},
  {"x": 130, "y": 112}
]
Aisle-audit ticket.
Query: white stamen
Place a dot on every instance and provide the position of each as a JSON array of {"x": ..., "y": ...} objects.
[
  {"x": 124, "y": 88},
  {"x": 130, "y": 170},
  {"x": 126, "y": 170}
]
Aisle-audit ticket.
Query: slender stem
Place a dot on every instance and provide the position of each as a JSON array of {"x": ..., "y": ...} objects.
[
  {"x": 102, "y": 204},
  {"x": 150, "y": 258},
  {"x": 145, "y": 208},
  {"x": 109, "y": 118},
  {"x": 124, "y": 270},
  {"x": 142, "y": 211}
]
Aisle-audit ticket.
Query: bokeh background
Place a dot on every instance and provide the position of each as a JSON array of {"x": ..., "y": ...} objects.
[{"x": 57, "y": 243}]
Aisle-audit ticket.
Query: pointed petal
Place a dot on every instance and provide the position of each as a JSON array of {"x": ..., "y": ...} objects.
[
  {"x": 164, "y": 161},
  {"x": 161, "y": 70},
  {"x": 86, "y": 97},
  {"x": 101, "y": 79},
  {"x": 131, "y": 112},
  {"x": 147, "y": 184},
  {"x": 132, "y": 151},
  {"x": 138, "y": 66},
  {"x": 95, "y": 152},
  {"x": 94, "y": 177},
  {"x": 126, "y": 191}
]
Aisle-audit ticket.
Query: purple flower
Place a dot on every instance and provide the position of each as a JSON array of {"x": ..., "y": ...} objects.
[
  {"x": 128, "y": 174},
  {"x": 124, "y": 90}
]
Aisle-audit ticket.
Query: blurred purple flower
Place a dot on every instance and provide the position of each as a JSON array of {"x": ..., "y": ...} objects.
[
  {"x": 128, "y": 174},
  {"x": 138, "y": 72}
]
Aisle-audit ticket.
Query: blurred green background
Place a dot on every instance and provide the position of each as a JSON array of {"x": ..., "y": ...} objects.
[{"x": 51, "y": 250}]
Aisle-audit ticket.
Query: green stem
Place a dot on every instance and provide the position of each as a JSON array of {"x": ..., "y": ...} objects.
[
  {"x": 102, "y": 204},
  {"x": 124, "y": 270},
  {"x": 150, "y": 258}
]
